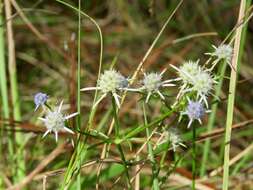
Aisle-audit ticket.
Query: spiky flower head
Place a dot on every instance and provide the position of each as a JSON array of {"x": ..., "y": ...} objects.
[
  {"x": 40, "y": 99},
  {"x": 171, "y": 135},
  {"x": 55, "y": 121},
  {"x": 174, "y": 138},
  {"x": 186, "y": 74},
  {"x": 188, "y": 70},
  {"x": 222, "y": 52},
  {"x": 203, "y": 82},
  {"x": 195, "y": 111},
  {"x": 111, "y": 81},
  {"x": 152, "y": 82}
]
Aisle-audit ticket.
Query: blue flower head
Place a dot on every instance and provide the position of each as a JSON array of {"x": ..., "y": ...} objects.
[
  {"x": 195, "y": 111},
  {"x": 40, "y": 99}
]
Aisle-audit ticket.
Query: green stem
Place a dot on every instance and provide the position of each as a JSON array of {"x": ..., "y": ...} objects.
[
  {"x": 231, "y": 97},
  {"x": 140, "y": 128},
  {"x": 211, "y": 120},
  {"x": 3, "y": 80},
  {"x": 150, "y": 152},
  {"x": 115, "y": 114},
  {"x": 15, "y": 101},
  {"x": 79, "y": 86},
  {"x": 193, "y": 156},
  {"x": 81, "y": 150},
  {"x": 119, "y": 147},
  {"x": 3, "y": 85}
]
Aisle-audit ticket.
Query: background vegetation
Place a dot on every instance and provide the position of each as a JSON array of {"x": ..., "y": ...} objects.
[{"x": 45, "y": 35}]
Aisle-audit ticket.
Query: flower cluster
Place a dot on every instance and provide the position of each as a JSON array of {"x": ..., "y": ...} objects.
[
  {"x": 112, "y": 82},
  {"x": 54, "y": 119},
  {"x": 197, "y": 82},
  {"x": 195, "y": 79}
]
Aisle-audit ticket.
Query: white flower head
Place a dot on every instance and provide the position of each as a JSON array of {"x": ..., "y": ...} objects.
[
  {"x": 152, "y": 82},
  {"x": 203, "y": 83},
  {"x": 110, "y": 81},
  {"x": 171, "y": 135},
  {"x": 223, "y": 52},
  {"x": 188, "y": 70},
  {"x": 55, "y": 121},
  {"x": 195, "y": 111},
  {"x": 186, "y": 74}
]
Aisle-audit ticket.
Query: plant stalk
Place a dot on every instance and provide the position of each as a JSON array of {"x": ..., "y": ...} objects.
[
  {"x": 231, "y": 96},
  {"x": 150, "y": 152}
]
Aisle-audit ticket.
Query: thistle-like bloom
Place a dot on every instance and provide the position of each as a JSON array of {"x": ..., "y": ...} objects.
[
  {"x": 55, "y": 121},
  {"x": 186, "y": 74},
  {"x": 171, "y": 135},
  {"x": 110, "y": 81},
  {"x": 40, "y": 99},
  {"x": 223, "y": 52},
  {"x": 152, "y": 82},
  {"x": 202, "y": 83},
  {"x": 195, "y": 111}
]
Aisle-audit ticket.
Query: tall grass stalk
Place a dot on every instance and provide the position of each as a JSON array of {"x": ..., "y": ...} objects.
[
  {"x": 15, "y": 100},
  {"x": 3, "y": 80},
  {"x": 211, "y": 121},
  {"x": 79, "y": 85},
  {"x": 231, "y": 96},
  {"x": 80, "y": 150},
  {"x": 150, "y": 152}
]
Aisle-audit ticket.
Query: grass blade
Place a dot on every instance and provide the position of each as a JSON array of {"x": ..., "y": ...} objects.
[{"x": 231, "y": 97}]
